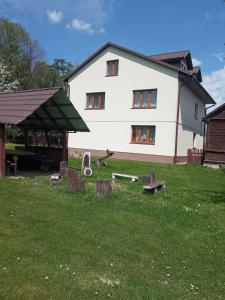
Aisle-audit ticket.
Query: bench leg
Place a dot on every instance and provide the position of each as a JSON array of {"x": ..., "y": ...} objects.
[{"x": 155, "y": 190}]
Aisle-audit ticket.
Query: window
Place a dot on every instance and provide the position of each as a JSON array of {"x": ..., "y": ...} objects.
[
  {"x": 112, "y": 67},
  {"x": 196, "y": 111},
  {"x": 145, "y": 99},
  {"x": 95, "y": 101},
  {"x": 143, "y": 135}
]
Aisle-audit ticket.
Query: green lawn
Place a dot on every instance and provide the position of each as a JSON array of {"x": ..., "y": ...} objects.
[{"x": 60, "y": 245}]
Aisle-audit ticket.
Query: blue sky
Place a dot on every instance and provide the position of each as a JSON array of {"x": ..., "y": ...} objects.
[{"x": 74, "y": 29}]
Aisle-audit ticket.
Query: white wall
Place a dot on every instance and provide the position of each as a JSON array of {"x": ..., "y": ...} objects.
[
  {"x": 111, "y": 128},
  {"x": 188, "y": 124}
]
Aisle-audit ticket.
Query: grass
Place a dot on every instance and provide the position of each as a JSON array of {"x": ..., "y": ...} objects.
[{"x": 60, "y": 245}]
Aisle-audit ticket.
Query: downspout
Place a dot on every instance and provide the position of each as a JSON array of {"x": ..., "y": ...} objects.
[{"x": 178, "y": 113}]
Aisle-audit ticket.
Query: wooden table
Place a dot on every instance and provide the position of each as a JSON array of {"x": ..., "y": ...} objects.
[{"x": 15, "y": 154}]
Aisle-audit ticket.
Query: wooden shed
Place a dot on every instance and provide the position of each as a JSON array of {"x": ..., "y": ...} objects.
[
  {"x": 215, "y": 136},
  {"x": 38, "y": 110}
]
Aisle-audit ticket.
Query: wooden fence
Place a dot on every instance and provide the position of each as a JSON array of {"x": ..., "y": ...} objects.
[{"x": 195, "y": 156}]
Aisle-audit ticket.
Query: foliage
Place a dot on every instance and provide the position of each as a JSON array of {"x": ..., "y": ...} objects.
[
  {"x": 7, "y": 83},
  {"x": 18, "y": 51},
  {"x": 62, "y": 67},
  {"x": 23, "y": 57},
  {"x": 61, "y": 245},
  {"x": 45, "y": 76}
]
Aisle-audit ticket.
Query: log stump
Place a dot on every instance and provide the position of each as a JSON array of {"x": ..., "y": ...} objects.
[
  {"x": 103, "y": 187},
  {"x": 74, "y": 182}
]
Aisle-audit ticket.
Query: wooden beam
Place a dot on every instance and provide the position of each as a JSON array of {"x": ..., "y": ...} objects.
[{"x": 2, "y": 150}]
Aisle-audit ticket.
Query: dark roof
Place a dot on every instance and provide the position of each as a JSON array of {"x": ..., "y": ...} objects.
[
  {"x": 195, "y": 86},
  {"x": 215, "y": 112},
  {"x": 197, "y": 72},
  {"x": 174, "y": 56},
  {"x": 171, "y": 55},
  {"x": 48, "y": 109}
]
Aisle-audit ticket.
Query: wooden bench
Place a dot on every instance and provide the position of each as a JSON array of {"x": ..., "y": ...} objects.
[
  {"x": 132, "y": 177},
  {"x": 154, "y": 186}
]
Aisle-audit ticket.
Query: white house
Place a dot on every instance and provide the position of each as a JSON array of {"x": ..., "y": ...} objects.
[{"x": 141, "y": 107}]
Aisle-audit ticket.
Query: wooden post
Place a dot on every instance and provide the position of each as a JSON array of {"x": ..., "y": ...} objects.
[
  {"x": 65, "y": 145},
  {"x": 26, "y": 137},
  {"x": 2, "y": 150},
  {"x": 103, "y": 187}
]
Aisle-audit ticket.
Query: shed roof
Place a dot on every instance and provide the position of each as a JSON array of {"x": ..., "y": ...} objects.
[
  {"x": 44, "y": 109},
  {"x": 217, "y": 113}
]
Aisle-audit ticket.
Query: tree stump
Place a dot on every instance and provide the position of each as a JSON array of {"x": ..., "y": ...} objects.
[
  {"x": 75, "y": 183},
  {"x": 63, "y": 168},
  {"x": 103, "y": 187}
]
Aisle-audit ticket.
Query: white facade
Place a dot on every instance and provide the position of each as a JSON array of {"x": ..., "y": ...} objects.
[{"x": 110, "y": 128}]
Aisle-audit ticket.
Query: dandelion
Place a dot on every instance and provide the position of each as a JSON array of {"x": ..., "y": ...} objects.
[
  {"x": 111, "y": 264},
  {"x": 168, "y": 275},
  {"x": 46, "y": 277},
  {"x": 96, "y": 293},
  {"x": 4, "y": 268}
]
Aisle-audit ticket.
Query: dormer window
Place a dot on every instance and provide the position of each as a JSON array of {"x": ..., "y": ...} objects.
[{"x": 112, "y": 67}]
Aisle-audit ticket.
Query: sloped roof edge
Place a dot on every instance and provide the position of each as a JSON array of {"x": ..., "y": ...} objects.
[{"x": 110, "y": 44}]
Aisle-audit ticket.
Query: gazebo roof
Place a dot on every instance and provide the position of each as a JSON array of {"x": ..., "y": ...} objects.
[{"x": 43, "y": 109}]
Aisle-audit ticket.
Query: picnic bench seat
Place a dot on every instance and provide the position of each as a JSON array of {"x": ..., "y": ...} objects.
[
  {"x": 132, "y": 177},
  {"x": 154, "y": 186}
]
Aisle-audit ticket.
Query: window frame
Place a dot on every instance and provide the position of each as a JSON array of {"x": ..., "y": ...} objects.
[
  {"x": 93, "y": 101},
  {"x": 138, "y": 128},
  {"x": 141, "y": 99},
  {"x": 107, "y": 67}
]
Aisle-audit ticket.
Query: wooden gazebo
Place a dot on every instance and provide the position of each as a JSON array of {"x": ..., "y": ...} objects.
[{"x": 42, "y": 109}]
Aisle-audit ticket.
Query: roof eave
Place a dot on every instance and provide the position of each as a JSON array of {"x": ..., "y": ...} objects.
[{"x": 197, "y": 88}]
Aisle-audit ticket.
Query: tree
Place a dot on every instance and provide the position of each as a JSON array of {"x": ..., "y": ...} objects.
[
  {"x": 7, "y": 83},
  {"x": 45, "y": 76},
  {"x": 19, "y": 52},
  {"x": 62, "y": 67}
]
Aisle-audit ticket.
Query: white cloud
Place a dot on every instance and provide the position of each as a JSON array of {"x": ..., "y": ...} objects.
[
  {"x": 54, "y": 16},
  {"x": 214, "y": 82},
  {"x": 220, "y": 56},
  {"x": 196, "y": 62},
  {"x": 80, "y": 25},
  {"x": 95, "y": 12}
]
